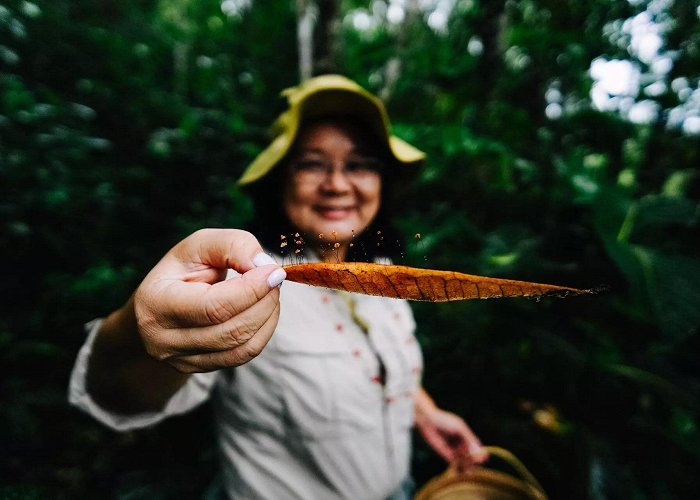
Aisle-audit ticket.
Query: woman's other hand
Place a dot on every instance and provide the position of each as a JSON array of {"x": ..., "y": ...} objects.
[
  {"x": 190, "y": 316},
  {"x": 448, "y": 434}
]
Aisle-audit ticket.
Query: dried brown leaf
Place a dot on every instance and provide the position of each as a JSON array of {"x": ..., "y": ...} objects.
[{"x": 403, "y": 282}]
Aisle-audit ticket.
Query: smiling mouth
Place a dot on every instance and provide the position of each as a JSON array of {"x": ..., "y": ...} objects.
[{"x": 335, "y": 213}]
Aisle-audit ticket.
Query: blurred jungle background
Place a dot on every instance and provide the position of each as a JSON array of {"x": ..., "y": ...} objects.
[{"x": 564, "y": 141}]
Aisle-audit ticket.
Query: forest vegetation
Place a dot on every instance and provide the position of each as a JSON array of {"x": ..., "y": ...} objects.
[{"x": 563, "y": 141}]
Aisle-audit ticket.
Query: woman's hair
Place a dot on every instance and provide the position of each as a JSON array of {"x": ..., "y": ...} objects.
[{"x": 278, "y": 235}]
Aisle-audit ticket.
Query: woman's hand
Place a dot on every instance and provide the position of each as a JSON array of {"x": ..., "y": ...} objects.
[
  {"x": 447, "y": 434},
  {"x": 190, "y": 316},
  {"x": 186, "y": 318}
]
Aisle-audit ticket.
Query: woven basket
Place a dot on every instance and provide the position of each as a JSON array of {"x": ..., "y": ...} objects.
[{"x": 481, "y": 483}]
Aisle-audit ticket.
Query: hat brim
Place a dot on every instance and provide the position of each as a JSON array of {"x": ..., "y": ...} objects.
[{"x": 327, "y": 102}]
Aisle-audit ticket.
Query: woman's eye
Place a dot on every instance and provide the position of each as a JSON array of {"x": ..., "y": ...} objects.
[
  {"x": 309, "y": 165},
  {"x": 364, "y": 165}
]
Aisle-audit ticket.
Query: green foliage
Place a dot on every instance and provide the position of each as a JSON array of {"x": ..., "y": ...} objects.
[{"x": 123, "y": 127}]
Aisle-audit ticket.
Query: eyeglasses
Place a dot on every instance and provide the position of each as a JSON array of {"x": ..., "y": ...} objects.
[{"x": 317, "y": 170}]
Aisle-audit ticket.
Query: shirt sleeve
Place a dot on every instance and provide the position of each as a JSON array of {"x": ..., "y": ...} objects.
[{"x": 193, "y": 393}]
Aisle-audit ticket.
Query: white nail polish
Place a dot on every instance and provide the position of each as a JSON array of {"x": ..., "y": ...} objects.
[
  {"x": 262, "y": 259},
  {"x": 276, "y": 277}
]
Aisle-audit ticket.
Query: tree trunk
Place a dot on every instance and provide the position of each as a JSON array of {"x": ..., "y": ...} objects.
[
  {"x": 306, "y": 14},
  {"x": 326, "y": 37},
  {"x": 317, "y": 34}
]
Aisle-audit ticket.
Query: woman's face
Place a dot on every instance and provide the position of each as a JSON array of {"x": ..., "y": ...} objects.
[{"x": 334, "y": 183}]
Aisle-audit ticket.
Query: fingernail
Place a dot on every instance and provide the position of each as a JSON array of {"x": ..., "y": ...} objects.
[
  {"x": 479, "y": 454},
  {"x": 276, "y": 277},
  {"x": 262, "y": 259}
]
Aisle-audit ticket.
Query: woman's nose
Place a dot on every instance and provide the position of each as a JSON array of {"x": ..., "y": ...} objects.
[{"x": 336, "y": 180}]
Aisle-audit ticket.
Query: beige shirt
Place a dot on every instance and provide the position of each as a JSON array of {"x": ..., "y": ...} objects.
[{"x": 309, "y": 418}]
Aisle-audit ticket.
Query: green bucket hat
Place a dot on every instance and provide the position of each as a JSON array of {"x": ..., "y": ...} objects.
[{"x": 327, "y": 95}]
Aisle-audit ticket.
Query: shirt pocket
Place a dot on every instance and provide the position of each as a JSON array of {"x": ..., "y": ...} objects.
[{"x": 325, "y": 393}]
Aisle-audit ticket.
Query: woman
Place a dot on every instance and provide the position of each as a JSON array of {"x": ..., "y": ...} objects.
[{"x": 325, "y": 410}]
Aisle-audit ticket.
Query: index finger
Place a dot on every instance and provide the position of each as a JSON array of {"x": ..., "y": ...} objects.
[{"x": 220, "y": 248}]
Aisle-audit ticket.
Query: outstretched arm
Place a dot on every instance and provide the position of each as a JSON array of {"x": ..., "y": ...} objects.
[{"x": 186, "y": 318}]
